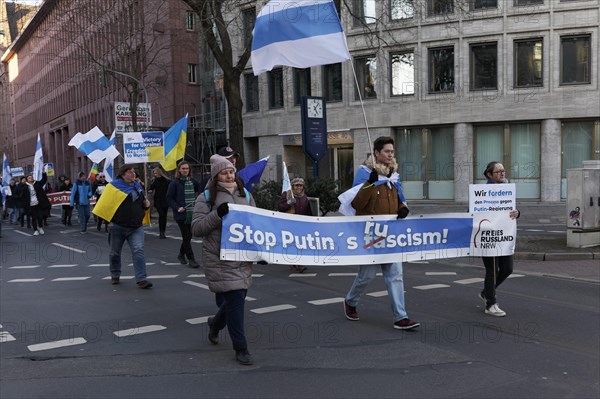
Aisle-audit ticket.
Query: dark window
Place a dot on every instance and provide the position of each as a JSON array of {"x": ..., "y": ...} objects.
[
  {"x": 301, "y": 84},
  {"x": 249, "y": 18},
  {"x": 481, "y": 4},
  {"x": 441, "y": 69},
  {"x": 575, "y": 60},
  {"x": 275, "y": 78},
  {"x": 484, "y": 66},
  {"x": 190, "y": 21},
  {"x": 332, "y": 82},
  {"x": 402, "y": 9},
  {"x": 528, "y": 63},
  {"x": 366, "y": 73},
  {"x": 528, "y": 2},
  {"x": 440, "y": 7},
  {"x": 364, "y": 12},
  {"x": 251, "y": 92},
  {"x": 192, "y": 73},
  {"x": 402, "y": 70}
]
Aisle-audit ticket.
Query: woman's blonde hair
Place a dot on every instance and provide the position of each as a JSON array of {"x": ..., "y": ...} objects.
[{"x": 161, "y": 172}]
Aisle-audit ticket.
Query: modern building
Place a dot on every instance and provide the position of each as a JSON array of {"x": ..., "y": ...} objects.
[
  {"x": 457, "y": 84},
  {"x": 77, "y": 58}
]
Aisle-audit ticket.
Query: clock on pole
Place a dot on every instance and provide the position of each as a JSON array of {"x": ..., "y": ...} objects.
[{"x": 314, "y": 129}]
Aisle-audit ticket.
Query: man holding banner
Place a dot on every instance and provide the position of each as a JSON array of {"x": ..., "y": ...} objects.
[{"x": 379, "y": 192}]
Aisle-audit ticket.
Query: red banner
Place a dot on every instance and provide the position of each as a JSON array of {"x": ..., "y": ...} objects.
[{"x": 63, "y": 198}]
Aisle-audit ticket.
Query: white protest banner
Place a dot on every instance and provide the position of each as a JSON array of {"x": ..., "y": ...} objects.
[
  {"x": 253, "y": 234},
  {"x": 124, "y": 120},
  {"x": 492, "y": 197},
  {"x": 17, "y": 172},
  {"x": 63, "y": 198},
  {"x": 140, "y": 147}
]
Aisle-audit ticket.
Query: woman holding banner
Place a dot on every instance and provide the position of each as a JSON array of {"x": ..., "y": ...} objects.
[
  {"x": 229, "y": 280},
  {"x": 497, "y": 268}
]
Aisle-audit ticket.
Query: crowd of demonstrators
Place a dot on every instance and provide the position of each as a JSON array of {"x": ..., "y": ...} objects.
[
  {"x": 159, "y": 187},
  {"x": 36, "y": 202},
  {"x": 181, "y": 196},
  {"x": 295, "y": 201},
  {"x": 80, "y": 199},
  {"x": 380, "y": 194},
  {"x": 97, "y": 189},
  {"x": 229, "y": 280}
]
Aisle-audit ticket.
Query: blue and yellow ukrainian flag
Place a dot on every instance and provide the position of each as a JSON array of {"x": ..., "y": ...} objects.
[
  {"x": 175, "y": 143},
  {"x": 113, "y": 196}
]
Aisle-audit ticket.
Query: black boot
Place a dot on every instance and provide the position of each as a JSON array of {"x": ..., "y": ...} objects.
[
  {"x": 162, "y": 235},
  {"x": 244, "y": 357},
  {"x": 193, "y": 264},
  {"x": 181, "y": 258}
]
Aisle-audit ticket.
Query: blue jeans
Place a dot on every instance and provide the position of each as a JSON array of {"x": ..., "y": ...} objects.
[
  {"x": 231, "y": 314},
  {"x": 12, "y": 215},
  {"x": 392, "y": 275},
  {"x": 135, "y": 238},
  {"x": 83, "y": 213}
]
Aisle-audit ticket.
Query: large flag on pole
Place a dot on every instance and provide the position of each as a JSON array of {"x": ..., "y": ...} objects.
[
  {"x": 297, "y": 33},
  {"x": 175, "y": 143},
  {"x": 109, "y": 163},
  {"x": 95, "y": 145},
  {"x": 38, "y": 160},
  {"x": 251, "y": 174}
]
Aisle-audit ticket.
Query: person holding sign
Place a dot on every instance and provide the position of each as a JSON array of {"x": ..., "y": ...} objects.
[
  {"x": 229, "y": 280},
  {"x": 380, "y": 193},
  {"x": 497, "y": 268}
]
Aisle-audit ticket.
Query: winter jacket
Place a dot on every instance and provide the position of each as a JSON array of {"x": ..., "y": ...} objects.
[
  {"x": 130, "y": 213},
  {"x": 223, "y": 276},
  {"x": 42, "y": 198},
  {"x": 19, "y": 195},
  {"x": 82, "y": 191},
  {"x": 301, "y": 207},
  {"x": 160, "y": 186},
  {"x": 382, "y": 199},
  {"x": 176, "y": 196}
]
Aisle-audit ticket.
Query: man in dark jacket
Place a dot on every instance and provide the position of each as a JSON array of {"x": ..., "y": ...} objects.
[{"x": 37, "y": 200}]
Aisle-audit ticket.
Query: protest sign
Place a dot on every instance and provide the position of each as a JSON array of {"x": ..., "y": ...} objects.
[
  {"x": 143, "y": 147},
  {"x": 492, "y": 197}
]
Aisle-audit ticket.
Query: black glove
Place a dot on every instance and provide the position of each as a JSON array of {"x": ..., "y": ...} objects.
[
  {"x": 262, "y": 262},
  {"x": 223, "y": 209},
  {"x": 402, "y": 212},
  {"x": 373, "y": 177}
]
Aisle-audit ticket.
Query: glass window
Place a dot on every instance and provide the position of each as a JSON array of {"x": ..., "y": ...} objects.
[
  {"x": 408, "y": 150},
  {"x": 528, "y": 2},
  {"x": 481, "y": 4},
  {"x": 525, "y": 151},
  {"x": 441, "y": 164},
  {"x": 528, "y": 63},
  {"x": 576, "y": 144},
  {"x": 332, "y": 82},
  {"x": 440, "y": 7},
  {"x": 364, "y": 12},
  {"x": 489, "y": 146},
  {"x": 190, "y": 21},
  {"x": 402, "y": 69},
  {"x": 275, "y": 78},
  {"x": 251, "y": 92},
  {"x": 441, "y": 69},
  {"x": 366, "y": 73},
  {"x": 301, "y": 84},
  {"x": 484, "y": 66},
  {"x": 402, "y": 9},
  {"x": 249, "y": 18},
  {"x": 575, "y": 60},
  {"x": 192, "y": 73}
]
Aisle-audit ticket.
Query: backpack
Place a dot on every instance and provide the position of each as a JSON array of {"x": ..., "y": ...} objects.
[{"x": 207, "y": 196}]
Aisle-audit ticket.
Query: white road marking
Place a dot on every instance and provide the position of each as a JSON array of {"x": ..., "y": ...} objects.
[
  {"x": 303, "y": 275},
  {"x": 327, "y": 301},
  {"x": 257, "y": 275},
  {"x": 56, "y": 344},
  {"x": 159, "y": 276},
  {"x": 70, "y": 279},
  {"x": 270, "y": 309},
  {"x": 440, "y": 273},
  {"x": 23, "y": 233},
  {"x": 25, "y": 280},
  {"x": 122, "y": 278},
  {"x": 6, "y": 337},
  {"x": 377, "y": 294},
  {"x": 69, "y": 248},
  {"x": 58, "y": 266},
  {"x": 198, "y": 320},
  {"x": 556, "y": 231},
  {"x": 196, "y": 276},
  {"x": 139, "y": 330},
  {"x": 98, "y": 265},
  {"x": 172, "y": 264},
  {"x": 469, "y": 281},
  {"x": 24, "y": 267},
  {"x": 431, "y": 286},
  {"x": 147, "y": 264},
  {"x": 516, "y": 275},
  {"x": 249, "y": 299},
  {"x": 533, "y": 230},
  {"x": 342, "y": 274},
  {"x": 195, "y": 284}
]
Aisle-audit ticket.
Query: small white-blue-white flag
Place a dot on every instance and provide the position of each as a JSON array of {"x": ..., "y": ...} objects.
[
  {"x": 95, "y": 145},
  {"x": 286, "y": 186},
  {"x": 38, "y": 161},
  {"x": 297, "y": 33},
  {"x": 6, "y": 175},
  {"x": 109, "y": 163}
]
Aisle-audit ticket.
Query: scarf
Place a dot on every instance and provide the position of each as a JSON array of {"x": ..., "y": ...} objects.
[
  {"x": 190, "y": 198},
  {"x": 229, "y": 186}
]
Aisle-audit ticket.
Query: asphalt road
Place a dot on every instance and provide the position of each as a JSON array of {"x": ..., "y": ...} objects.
[{"x": 67, "y": 333}]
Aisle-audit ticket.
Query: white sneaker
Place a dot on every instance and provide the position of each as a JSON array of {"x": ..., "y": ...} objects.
[
  {"x": 41, "y": 231},
  {"x": 36, "y": 233},
  {"x": 494, "y": 310}
]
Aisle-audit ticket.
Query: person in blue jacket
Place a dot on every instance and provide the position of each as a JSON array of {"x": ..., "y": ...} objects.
[
  {"x": 181, "y": 196},
  {"x": 80, "y": 198}
]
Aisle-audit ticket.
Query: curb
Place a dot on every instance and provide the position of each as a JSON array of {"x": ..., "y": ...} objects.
[{"x": 556, "y": 256}]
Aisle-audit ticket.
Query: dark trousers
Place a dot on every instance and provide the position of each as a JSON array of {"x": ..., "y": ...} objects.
[
  {"x": 36, "y": 216},
  {"x": 497, "y": 269},
  {"x": 24, "y": 214},
  {"x": 186, "y": 242},
  {"x": 162, "y": 219},
  {"x": 231, "y": 314}
]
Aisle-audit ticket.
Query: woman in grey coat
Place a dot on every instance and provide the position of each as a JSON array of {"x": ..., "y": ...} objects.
[{"x": 229, "y": 280}]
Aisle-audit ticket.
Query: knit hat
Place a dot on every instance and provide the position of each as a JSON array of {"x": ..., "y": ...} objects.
[
  {"x": 297, "y": 180},
  {"x": 218, "y": 163}
]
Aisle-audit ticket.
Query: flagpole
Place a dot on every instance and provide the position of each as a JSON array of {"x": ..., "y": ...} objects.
[{"x": 362, "y": 105}]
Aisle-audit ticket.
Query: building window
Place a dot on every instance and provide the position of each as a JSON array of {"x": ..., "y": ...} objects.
[
  {"x": 190, "y": 21},
  {"x": 484, "y": 66},
  {"x": 482, "y": 4},
  {"x": 192, "y": 73},
  {"x": 275, "y": 78},
  {"x": 440, "y": 7},
  {"x": 527, "y": 2},
  {"x": 251, "y": 82},
  {"x": 577, "y": 144},
  {"x": 366, "y": 73},
  {"x": 441, "y": 69},
  {"x": 332, "y": 82},
  {"x": 248, "y": 18},
  {"x": 301, "y": 84},
  {"x": 402, "y": 9},
  {"x": 402, "y": 69},
  {"x": 575, "y": 60},
  {"x": 364, "y": 12},
  {"x": 528, "y": 63}
]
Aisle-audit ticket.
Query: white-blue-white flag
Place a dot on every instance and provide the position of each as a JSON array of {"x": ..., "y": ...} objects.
[
  {"x": 286, "y": 186},
  {"x": 6, "y": 175},
  {"x": 297, "y": 33},
  {"x": 109, "y": 163},
  {"x": 38, "y": 161},
  {"x": 95, "y": 145}
]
